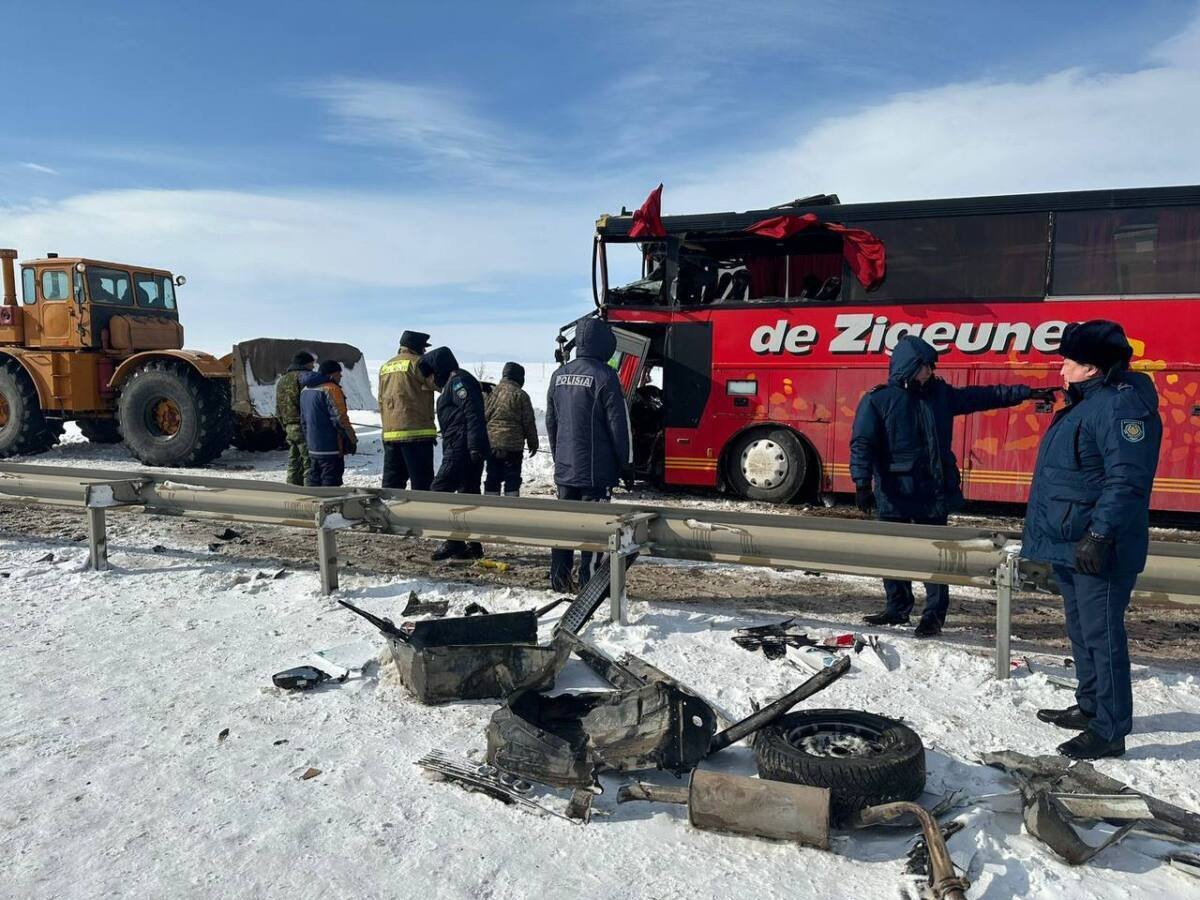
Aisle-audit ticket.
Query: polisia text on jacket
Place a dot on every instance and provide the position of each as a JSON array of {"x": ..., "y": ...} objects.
[{"x": 587, "y": 419}]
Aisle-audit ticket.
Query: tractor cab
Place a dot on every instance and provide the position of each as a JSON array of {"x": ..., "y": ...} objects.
[{"x": 89, "y": 304}]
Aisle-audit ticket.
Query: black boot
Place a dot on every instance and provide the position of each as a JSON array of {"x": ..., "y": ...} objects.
[
  {"x": 1089, "y": 745},
  {"x": 1072, "y": 717},
  {"x": 444, "y": 551},
  {"x": 475, "y": 550},
  {"x": 927, "y": 628},
  {"x": 885, "y": 618}
]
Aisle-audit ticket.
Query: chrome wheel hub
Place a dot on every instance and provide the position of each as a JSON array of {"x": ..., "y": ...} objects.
[{"x": 764, "y": 464}]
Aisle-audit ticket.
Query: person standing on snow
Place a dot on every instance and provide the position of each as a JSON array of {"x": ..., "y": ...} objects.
[
  {"x": 587, "y": 422},
  {"x": 406, "y": 406},
  {"x": 287, "y": 412},
  {"x": 1089, "y": 517},
  {"x": 460, "y": 417},
  {"x": 511, "y": 426},
  {"x": 901, "y": 444},
  {"x": 325, "y": 423}
]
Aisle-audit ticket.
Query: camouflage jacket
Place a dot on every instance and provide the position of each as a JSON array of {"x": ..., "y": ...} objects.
[
  {"x": 510, "y": 421},
  {"x": 406, "y": 399},
  {"x": 287, "y": 398}
]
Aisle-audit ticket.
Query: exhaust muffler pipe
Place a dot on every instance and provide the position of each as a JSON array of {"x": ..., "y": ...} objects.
[{"x": 751, "y": 806}]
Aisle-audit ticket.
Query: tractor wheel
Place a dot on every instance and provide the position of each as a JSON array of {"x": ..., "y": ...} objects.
[
  {"x": 258, "y": 435},
  {"x": 100, "y": 431},
  {"x": 767, "y": 464},
  {"x": 171, "y": 416},
  {"x": 23, "y": 426}
]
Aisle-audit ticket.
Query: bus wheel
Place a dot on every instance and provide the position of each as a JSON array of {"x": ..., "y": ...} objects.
[{"x": 767, "y": 464}]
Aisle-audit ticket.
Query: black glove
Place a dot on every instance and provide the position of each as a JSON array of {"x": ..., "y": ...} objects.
[
  {"x": 1091, "y": 553},
  {"x": 864, "y": 498},
  {"x": 532, "y": 452},
  {"x": 476, "y": 457},
  {"x": 1043, "y": 395}
]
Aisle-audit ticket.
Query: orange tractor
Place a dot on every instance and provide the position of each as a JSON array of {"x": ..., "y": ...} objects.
[{"x": 100, "y": 343}]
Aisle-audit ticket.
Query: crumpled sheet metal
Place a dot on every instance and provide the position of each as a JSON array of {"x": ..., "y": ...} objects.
[
  {"x": 567, "y": 740},
  {"x": 476, "y": 657},
  {"x": 1038, "y": 777}
]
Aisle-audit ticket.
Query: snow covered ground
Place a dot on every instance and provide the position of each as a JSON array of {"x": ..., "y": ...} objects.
[
  {"x": 116, "y": 781},
  {"x": 119, "y": 685}
]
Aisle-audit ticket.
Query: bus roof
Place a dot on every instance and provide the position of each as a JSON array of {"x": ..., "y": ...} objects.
[{"x": 616, "y": 228}]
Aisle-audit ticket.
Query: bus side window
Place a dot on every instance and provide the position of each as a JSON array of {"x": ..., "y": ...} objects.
[{"x": 1127, "y": 251}]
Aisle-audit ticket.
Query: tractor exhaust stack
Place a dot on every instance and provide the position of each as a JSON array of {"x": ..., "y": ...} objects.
[{"x": 10, "y": 280}]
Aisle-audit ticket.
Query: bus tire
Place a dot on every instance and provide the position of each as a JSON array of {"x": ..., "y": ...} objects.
[
  {"x": 767, "y": 464},
  {"x": 24, "y": 428}
]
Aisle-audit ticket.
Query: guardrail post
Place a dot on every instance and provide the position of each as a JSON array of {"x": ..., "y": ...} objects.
[
  {"x": 327, "y": 559},
  {"x": 334, "y": 514},
  {"x": 616, "y": 582},
  {"x": 97, "y": 539},
  {"x": 1006, "y": 578},
  {"x": 629, "y": 538},
  {"x": 97, "y": 497}
]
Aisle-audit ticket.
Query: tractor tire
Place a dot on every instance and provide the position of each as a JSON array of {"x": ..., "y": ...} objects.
[
  {"x": 258, "y": 435},
  {"x": 24, "y": 428},
  {"x": 100, "y": 431},
  {"x": 171, "y": 416},
  {"x": 767, "y": 464},
  {"x": 863, "y": 759}
]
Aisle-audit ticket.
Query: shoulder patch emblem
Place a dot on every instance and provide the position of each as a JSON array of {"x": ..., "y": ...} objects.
[{"x": 1133, "y": 430}]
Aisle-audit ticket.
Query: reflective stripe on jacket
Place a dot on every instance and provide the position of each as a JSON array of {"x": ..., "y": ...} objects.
[
  {"x": 406, "y": 399},
  {"x": 324, "y": 419}
]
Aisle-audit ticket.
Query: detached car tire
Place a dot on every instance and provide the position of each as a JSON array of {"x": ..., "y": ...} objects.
[{"x": 863, "y": 759}]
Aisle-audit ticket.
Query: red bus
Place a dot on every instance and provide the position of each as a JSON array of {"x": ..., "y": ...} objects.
[{"x": 764, "y": 344}]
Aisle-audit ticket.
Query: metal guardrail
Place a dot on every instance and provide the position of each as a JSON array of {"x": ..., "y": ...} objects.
[{"x": 948, "y": 555}]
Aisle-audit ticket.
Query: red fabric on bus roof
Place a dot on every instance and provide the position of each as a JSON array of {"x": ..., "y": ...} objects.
[
  {"x": 863, "y": 251},
  {"x": 647, "y": 220}
]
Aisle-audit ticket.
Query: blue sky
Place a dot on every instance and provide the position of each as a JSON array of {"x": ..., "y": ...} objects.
[{"x": 348, "y": 171}]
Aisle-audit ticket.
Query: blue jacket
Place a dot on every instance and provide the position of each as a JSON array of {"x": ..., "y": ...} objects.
[
  {"x": 587, "y": 419},
  {"x": 903, "y": 430},
  {"x": 460, "y": 412},
  {"x": 1095, "y": 469},
  {"x": 323, "y": 419}
]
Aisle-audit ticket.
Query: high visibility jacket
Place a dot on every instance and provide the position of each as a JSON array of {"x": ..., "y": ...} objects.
[{"x": 406, "y": 399}]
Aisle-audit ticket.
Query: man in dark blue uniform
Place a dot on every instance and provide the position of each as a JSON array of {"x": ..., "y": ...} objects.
[
  {"x": 1088, "y": 516},
  {"x": 464, "y": 438},
  {"x": 587, "y": 423},
  {"x": 901, "y": 444}
]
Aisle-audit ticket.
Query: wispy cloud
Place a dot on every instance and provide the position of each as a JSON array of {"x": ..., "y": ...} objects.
[
  {"x": 434, "y": 129},
  {"x": 1073, "y": 129},
  {"x": 38, "y": 167}
]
